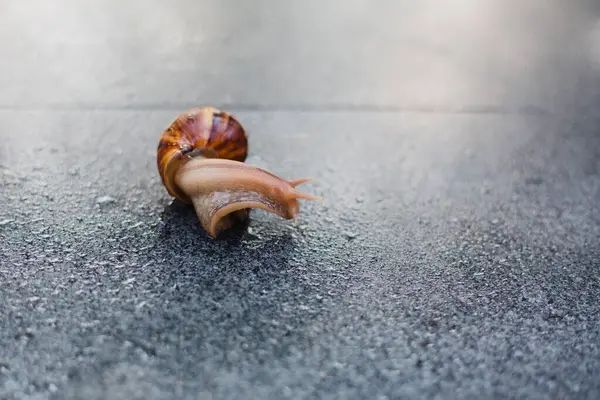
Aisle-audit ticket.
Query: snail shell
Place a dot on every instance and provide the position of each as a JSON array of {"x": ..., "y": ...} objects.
[{"x": 200, "y": 158}]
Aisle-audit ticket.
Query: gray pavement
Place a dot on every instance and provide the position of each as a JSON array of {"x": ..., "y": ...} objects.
[{"x": 456, "y": 253}]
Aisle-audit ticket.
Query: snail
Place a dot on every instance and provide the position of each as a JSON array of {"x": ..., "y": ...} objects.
[{"x": 200, "y": 159}]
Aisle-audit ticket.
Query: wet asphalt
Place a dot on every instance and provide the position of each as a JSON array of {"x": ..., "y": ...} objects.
[{"x": 456, "y": 253}]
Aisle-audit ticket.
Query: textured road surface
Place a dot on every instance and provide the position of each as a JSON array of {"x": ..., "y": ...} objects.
[{"x": 456, "y": 253}]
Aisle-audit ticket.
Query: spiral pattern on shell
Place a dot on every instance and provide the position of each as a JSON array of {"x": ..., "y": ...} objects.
[{"x": 205, "y": 131}]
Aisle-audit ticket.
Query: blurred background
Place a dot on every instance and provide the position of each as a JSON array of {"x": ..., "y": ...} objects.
[{"x": 465, "y": 55}]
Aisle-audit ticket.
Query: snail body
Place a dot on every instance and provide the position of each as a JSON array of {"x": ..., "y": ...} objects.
[{"x": 200, "y": 158}]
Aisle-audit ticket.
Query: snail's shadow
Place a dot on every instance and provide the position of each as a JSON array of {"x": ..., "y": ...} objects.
[
  {"x": 180, "y": 218},
  {"x": 185, "y": 256},
  {"x": 180, "y": 232}
]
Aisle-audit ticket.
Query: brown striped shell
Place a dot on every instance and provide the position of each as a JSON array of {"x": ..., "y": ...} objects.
[{"x": 205, "y": 131}]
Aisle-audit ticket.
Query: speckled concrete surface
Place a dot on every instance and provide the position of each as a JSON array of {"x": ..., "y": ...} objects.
[{"x": 456, "y": 253}]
